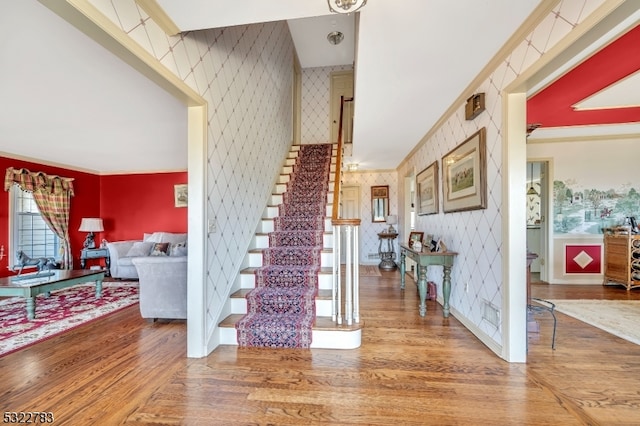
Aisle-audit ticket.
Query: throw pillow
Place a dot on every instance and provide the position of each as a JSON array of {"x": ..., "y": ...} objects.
[
  {"x": 140, "y": 248},
  {"x": 178, "y": 249},
  {"x": 160, "y": 249}
]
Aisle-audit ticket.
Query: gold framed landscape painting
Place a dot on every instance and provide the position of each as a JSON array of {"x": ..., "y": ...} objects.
[
  {"x": 464, "y": 175},
  {"x": 427, "y": 190}
]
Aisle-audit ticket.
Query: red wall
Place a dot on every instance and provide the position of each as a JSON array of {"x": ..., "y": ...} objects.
[
  {"x": 131, "y": 205},
  {"x": 128, "y": 204}
]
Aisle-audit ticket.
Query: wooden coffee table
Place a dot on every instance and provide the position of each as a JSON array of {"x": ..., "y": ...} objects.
[{"x": 31, "y": 285}]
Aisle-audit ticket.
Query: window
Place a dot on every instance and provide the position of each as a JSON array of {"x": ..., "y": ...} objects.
[{"x": 29, "y": 232}]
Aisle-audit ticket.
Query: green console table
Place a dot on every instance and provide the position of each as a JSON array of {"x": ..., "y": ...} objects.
[{"x": 424, "y": 259}]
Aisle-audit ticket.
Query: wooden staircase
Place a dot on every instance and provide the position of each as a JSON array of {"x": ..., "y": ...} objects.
[{"x": 326, "y": 332}]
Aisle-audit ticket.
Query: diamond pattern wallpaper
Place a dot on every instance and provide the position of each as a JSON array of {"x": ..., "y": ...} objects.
[
  {"x": 245, "y": 75},
  {"x": 314, "y": 117},
  {"x": 477, "y": 235}
]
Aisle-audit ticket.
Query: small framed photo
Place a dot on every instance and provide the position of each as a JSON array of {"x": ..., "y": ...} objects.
[
  {"x": 464, "y": 175},
  {"x": 180, "y": 195},
  {"x": 415, "y": 236},
  {"x": 427, "y": 190}
]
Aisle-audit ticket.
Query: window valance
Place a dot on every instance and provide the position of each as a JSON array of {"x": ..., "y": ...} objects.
[{"x": 34, "y": 181}]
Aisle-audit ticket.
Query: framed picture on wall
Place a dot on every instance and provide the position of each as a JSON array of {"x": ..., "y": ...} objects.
[
  {"x": 464, "y": 175},
  {"x": 180, "y": 195},
  {"x": 427, "y": 190}
]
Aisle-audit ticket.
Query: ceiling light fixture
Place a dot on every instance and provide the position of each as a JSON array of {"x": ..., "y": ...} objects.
[
  {"x": 345, "y": 6},
  {"x": 335, "y": 37}
]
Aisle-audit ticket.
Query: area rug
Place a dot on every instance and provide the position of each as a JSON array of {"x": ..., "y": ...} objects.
[
  {"x": 618, "y": 317},
  {"x": 63, "y": 310},
  {"x": 281, "y": 309}
]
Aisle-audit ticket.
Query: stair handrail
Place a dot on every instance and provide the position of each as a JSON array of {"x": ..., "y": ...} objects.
[{"x": 351, "y": 227}]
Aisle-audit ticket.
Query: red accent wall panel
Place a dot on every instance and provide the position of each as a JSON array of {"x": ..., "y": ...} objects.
[
  {"x": 85, "y": 203},
  {"x": 583, "y": 259},
  {"x": 131, "y": 205}
]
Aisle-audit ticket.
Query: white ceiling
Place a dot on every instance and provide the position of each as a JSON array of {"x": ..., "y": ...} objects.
[
  {"x": 412, "y": 64},
  {"x": 68, "y": 101}
]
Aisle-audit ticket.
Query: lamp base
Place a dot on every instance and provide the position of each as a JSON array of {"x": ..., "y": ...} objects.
[{"x": 89, "y": 242}]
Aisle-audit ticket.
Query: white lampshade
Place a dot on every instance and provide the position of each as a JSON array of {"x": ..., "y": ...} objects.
[
  {"x": 392, "y": 219},
  {"x": 91, "y": 224}
]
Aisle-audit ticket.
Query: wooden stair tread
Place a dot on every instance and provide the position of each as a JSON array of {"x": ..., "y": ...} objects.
[{"x": 322, "y": 323}]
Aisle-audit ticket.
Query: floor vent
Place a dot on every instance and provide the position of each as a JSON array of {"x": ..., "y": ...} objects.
[{"x": 491, "y": 314}]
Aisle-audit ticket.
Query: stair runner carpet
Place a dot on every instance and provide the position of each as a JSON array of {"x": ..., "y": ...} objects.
[{"x": 281, "y": 309}]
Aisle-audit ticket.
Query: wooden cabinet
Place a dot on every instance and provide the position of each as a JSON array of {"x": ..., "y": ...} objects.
[{"x": 621, "y": 257}]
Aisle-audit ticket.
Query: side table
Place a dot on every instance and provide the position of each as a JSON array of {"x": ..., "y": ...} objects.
[
  {"x": 424, "y": 259},
  {"x": 386, "y": 251},
  {"x": 99, "y": 253}
]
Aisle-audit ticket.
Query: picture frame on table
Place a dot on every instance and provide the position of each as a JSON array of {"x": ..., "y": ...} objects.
[
  {"x": 415, "y": 236},
  {"x": 464, "y": 175},
  {"x": 180, "y": 195},
  {"x": 427, "y": 190}
]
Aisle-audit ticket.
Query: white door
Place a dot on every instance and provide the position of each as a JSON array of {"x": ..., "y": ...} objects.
[
  {"x": 350, "y": 209},
  {"x": 341, "y": 85}
]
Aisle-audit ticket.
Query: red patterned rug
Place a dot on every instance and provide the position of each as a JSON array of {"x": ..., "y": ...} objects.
[
  {"x": 62, "y": 311},
  {"x": 281, "y": 309}
]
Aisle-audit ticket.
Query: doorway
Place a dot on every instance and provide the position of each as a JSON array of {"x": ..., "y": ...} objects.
[
  {"x": 341, "y": 85},
  {"x": 537, "y": 195}
]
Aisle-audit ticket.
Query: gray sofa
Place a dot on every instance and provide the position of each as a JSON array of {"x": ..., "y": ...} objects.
[
  {"x": 122, "y": 253},
  {"x": 163, "y": 286}
]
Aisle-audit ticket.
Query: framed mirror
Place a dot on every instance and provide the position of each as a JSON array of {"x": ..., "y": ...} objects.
[{"x": 379, "y": 203}]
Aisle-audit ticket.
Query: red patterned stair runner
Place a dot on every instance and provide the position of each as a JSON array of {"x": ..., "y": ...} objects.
[{"x": 281, "y": 309}]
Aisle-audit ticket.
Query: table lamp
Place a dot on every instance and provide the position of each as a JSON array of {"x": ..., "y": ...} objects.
[
  {"x": 392, "y": 219},
  {"x": 90, "y": 225}
]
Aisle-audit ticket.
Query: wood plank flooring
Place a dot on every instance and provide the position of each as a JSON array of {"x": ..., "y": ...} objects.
[{"x": 409, "y": 370}]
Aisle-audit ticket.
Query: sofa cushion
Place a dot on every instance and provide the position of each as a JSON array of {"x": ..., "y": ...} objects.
[
  {"x": 166, "y": 237},
  {"x": 160, "y": 249},
  {"x": 126, "y": 261},
  {"x": 140, "y": 248}
]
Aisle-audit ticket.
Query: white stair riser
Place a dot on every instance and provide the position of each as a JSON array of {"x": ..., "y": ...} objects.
[
  {"x": 262, "y": 241},
  {"x": 249, "y": 281},
  {"x": 280, "y": 188},
  {"x": 323, "y": 307},
  {"x": 266, "y": 226},
  {"x": 255, "y": 260},
  {"x": 273, "y": 211},
  {"x": 283, "y": 178},
  {"x": 327, "y": 339},
  {"x": 277, "y": 199}
]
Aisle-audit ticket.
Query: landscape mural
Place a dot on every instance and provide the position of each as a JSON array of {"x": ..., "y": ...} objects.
[{"x": 588, "y": 210}]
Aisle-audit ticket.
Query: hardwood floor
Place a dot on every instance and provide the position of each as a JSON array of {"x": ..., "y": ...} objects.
[{"x": 409, "y": 370}]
